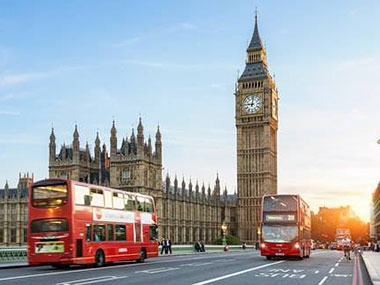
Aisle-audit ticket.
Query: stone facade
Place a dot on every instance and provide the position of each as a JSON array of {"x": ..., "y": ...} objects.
[
  {"x": 256, "y": 119},
  {"x": 14, "y": 212},
  {"x": 183, "y": 215}
]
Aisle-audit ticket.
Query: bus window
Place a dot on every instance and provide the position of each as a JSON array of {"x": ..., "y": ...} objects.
[
  {"x": 148, "y": 205},
  {"x": 49, "y": 196},
  {"x": 80, "y": 192},
  {"x": 129, "y": 203},
  {"x": 153, "y": 233},
  {"x": 88, "y": 232},
  {"x": 99, "y": 233},
  {"x": 118, "y": 201},
  {"x": 140, "y": 203},
  {"x": 108, "y": 199},
  {"x": 49, "y": 225},
  {"x": 110, "y": 235},
  {"x": 97, "y": 198},
  {"x": 120, "y": 232}
]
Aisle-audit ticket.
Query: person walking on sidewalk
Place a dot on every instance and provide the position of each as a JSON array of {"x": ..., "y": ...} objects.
[
  {"x": 164, "y": 246},
  {"x": 170, "y": 246}
]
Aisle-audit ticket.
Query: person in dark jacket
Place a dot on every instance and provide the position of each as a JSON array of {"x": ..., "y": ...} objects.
[
  {"x": 170, "y": 246},
  {"x": 164, "y": 246}
]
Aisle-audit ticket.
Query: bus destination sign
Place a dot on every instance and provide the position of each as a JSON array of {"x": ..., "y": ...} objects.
[{"x": 279, "y": 218}]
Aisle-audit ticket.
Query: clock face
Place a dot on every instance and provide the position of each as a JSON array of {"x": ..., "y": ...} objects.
[{"x": 252, "y": 104}]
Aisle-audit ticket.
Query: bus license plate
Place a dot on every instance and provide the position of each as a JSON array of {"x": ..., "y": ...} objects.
[
  {"x": 280, "y": 254},
  {"x": 49, "y": 247}
]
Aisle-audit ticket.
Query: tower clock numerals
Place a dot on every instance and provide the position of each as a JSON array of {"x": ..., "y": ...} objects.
[{"x": 252, "y": 104}]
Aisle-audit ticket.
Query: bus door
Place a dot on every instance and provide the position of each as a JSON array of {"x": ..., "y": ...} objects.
[{"x": 138, "y": 228}]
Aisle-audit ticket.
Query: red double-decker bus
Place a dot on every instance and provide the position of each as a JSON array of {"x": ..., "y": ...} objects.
[
  {"x": 72, "y": 222},
  {"x": 285, "y": 226}
]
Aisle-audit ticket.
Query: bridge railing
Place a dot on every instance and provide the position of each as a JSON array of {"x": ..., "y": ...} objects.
[{"x": 12, "y": 255}]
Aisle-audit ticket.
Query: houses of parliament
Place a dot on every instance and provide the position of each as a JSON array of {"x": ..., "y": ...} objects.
[{"x": 186, "y": 212}]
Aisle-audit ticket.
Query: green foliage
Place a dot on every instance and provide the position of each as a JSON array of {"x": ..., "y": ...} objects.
[{"x": 231, "y": 240}]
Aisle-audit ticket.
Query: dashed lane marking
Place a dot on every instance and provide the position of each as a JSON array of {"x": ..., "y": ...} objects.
[
  {"x": 237, "y": 273},
  {"x": 323, "y": 280},
  {"x": 113, "y": 267},
  {"x": 336, "y": 264},
  {"x": 91, "y": 280},
  {"x": 331, "y": 270}
]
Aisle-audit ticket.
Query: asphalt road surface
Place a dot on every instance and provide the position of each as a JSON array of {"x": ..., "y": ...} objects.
[{"x": 323, "y": 267}]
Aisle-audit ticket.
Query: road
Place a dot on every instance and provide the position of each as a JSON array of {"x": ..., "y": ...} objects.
[{"x": 323, "y": 267}]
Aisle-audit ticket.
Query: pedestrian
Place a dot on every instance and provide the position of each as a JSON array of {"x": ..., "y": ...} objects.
[
  {"x": 170, "y": 246},
  {"x": 163, "y": 246},
  {"x": 257, "y": 245},
  {"x": 202, "y": 246},
  {"x": 197, "y": 247},
  {"x": 244, "y": 246}
]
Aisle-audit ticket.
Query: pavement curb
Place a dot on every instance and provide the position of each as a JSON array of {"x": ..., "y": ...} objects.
[
  {"x": 375, "y": 278},
  {"x": 13, "y": 265}
]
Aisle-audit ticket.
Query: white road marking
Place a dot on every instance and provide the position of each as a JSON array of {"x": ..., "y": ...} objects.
[
  {"x": 114, "y": 266},
  {"x": 237, "y": 273},
  {"x": 91, "y": 280},
  {"x": 336, "y": 264},
  {"x": 158, "y": 270},
  {"x": 331, "y": 270},
  {"x": 323, "y": 280}
]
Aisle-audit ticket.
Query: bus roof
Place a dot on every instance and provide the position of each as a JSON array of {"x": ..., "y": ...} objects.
[{"x": 60, "y": 181}]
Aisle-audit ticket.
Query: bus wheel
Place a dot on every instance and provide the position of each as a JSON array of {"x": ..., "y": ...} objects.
[
  {"x": 142, "y": 256},
  {"x": 269, "y": 257},
  {"x": 99, "y": 258}
]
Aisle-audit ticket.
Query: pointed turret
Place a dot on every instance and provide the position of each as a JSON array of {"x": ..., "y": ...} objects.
[
  {"x": 97, "y": 149},
  {"x": 52, "y": 147},
  {"x": 113, "y": 140},
  {"x": 175, "y": 185},
  {"x": 76, "y": 145},
  {"x": 140, "y": 133},
  {"x": 217, "y": 185},
  {"x": 256, "y": 63},
  {"x": 167, "y": 183},
  {"x": 149, "y": 146},
  {"x": 158, "y": 145},
  {"x": 190, "y": 188},
  {"x": 256, "y": 43},
  {"x": 183, "y": 186}
]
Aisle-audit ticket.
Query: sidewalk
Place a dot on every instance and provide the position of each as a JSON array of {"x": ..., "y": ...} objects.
[
  {"x": 372, "y": 262},
  {"x": 13, "y": 265}
]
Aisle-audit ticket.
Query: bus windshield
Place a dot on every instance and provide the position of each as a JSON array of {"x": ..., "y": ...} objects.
[
  {"x": 51, "y": 195},
  {"x": 282, "y": 203},
  {"x": 279, "y": 233}
]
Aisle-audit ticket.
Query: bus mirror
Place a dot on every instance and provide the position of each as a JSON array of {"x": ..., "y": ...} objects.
[{"x": 87, "y": 200}]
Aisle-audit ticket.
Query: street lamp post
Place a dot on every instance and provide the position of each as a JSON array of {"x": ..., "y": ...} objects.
[{"x": 224, "y": 229}]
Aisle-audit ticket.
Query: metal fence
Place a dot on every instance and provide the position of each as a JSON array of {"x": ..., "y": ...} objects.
[{"x": 12, "y": 255}]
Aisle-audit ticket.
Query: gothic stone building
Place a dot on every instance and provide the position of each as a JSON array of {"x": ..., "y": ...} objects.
[
  {"x": 14, "y": 212},
  {"x": 183, "y": 215},
  {"x": 256, "y": 119}
]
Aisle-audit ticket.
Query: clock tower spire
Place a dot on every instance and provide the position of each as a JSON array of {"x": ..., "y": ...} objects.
[{"x": 256, "y": 120}]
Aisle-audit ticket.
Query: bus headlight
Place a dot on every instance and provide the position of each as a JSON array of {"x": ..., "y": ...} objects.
[
  {"x": 262, "y": 245},
  {"x": 297, "y": 245}
]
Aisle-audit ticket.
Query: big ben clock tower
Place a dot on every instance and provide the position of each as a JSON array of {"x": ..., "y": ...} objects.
[{"x": 256, "y": 118}]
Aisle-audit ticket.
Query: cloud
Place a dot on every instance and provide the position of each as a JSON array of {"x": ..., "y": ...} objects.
[
  {"x": 170, "y": 65},
  {"x": 127, "y": 42},
  {"x": 10, "y": 113},
  {"x": 14, "y": 79}
]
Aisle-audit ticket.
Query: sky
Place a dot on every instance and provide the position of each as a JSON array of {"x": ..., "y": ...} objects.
[{"x": 175, "y": 63}]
